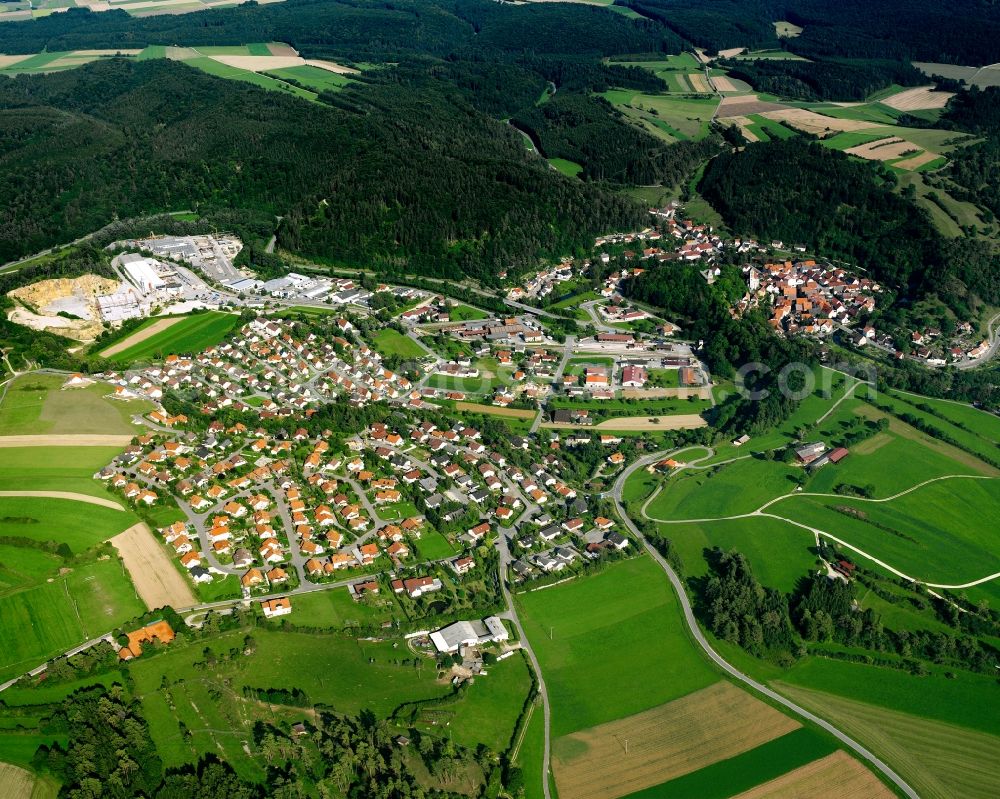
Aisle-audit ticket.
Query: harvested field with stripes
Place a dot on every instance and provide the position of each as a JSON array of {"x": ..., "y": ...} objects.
[
  {"x": 838, "y": 775},
  {"x": 918, "y": 99},
  {"x": 811, "y": 122},
  {"x": 724, "y": 84},
  {"x": 15, "y": 783},
  {"x": 698, "y": 82},
  {"x": 886, "y": 149},
  {"x": 746, "y": 104},
  {"x": 671, "y": 740},
  {"x": 917, "y": 161}
]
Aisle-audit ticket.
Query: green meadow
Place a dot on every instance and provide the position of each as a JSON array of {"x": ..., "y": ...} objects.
[
  {"x": 55, "y": 469},
  {"x": 188, "y": 336},
  {"x": 51, "y": 617},
  {"x": 777, "y": 551},
  {"x": 489, "y": 708},
  {"x": 315, "y": 78},
  {"x": 621, "y": 624},
  {"x": 390, "y": 342},
  {"x": 934, "y": 533},
  {"x": 37, "y": 405}
]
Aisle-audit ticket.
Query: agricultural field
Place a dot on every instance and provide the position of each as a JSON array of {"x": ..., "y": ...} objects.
[
  {"x": 37, "y": 405},
  {"x": 51, "y": 617},
  {"x": 677, "y": 738},
  {"x": 591, "y": 627},
  {"x": 778, "y": 551},
  {"x": 390, "y": 342},
  {"x": 55, "y": 469},
  {"x": 529, "y": 755},
  {"x": 15, "y": 783},
  {"x": 336, "y": 609},
  {"x": 671, "y": 117},
  {"x": 723, "y": 490},
  {"x": 933, "y": 533},
  {"x": 276, "y": 67},
  {"x": 939, "y": 760},
  {"x": 464, "y": 313},
  {"x": 982, "y": 77},
  {"x": 189, "y": 335}
]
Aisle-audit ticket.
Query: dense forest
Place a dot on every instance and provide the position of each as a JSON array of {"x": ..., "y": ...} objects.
[
  {"x": 590, "y": 131},
  {"x": 400, "y": 171},
  {"x": 824, "y": 80},
  {"x": 803, "y": 193},
  {"x": 956, "y": 32},
  {"x": 357, "y": 29}
]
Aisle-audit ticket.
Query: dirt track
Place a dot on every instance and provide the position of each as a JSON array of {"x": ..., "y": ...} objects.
[
  {"x": 65, "y": 440},
  {"x": 681, "y": 421},
  {"x": 142, "y": 335},
  {"x": 156, "y": 579},
  {"x": 104, "y": 503}
]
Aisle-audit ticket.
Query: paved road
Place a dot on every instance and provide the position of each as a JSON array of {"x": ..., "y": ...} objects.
[{"x": 696, "y": 632}]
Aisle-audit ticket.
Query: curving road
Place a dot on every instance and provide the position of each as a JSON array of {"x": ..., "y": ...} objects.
[{"x": 721, "y": 662}]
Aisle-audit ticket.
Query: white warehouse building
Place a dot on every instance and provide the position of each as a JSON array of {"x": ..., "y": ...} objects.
[{"x": 467, "y": 633}]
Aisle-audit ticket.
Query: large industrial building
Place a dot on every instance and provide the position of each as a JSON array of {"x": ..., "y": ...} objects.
[{"x": 469, "y": 633}]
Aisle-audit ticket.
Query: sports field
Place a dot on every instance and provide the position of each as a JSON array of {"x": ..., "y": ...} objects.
[
  {"x": 391, "y": 342},
  {"x": 187, "y": 337},
  {"x": 592, "y": 627},
  {"x": 38, "y": 405}
]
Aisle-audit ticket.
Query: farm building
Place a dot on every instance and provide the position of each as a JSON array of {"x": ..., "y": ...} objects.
[{"x": 468, "y": 633}]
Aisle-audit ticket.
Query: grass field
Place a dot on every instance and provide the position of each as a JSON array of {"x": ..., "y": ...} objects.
[
  {"x": 952, "y": 701},
  {"x": 51, "y": 617},
  {"x": 490, "y": 707},
  {"x": 64, "y": 520},
  {"x": 570, "y": 169},
  {"x": 777, "y": 551},
  {"x": 733, "y": 488},
  {"x": 590, "y": 632},
  {"x": 934, "y": 534},
  {"x": 35, "y": 405},
  {"x": 664, "y": 743},
  {"x": 434, "y": 546},
  {"x": 529, "y": 756},
  {"x": 55, "y": 469},
  {"x": 346, "y": 674},
  {"x": 390, "y": 342},
  {"x": 462, "y": 313},
  {"x": 938, "y": 760},
  {"x": 191, "y": 335},
  {"x": 680, "y": 117},
  {"x": 315, "y": 78}
]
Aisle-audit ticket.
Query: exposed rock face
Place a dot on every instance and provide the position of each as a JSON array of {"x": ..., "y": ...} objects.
[{"x": 75, "y": 296}]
